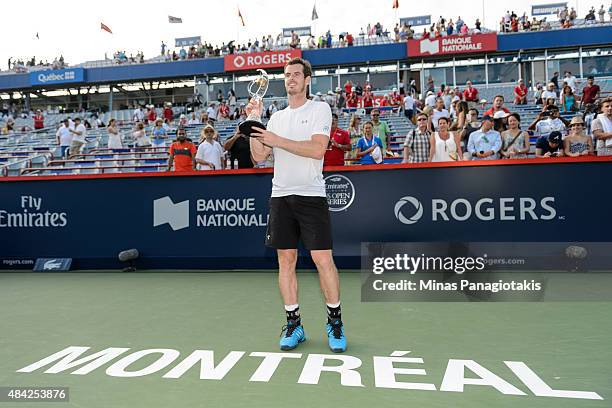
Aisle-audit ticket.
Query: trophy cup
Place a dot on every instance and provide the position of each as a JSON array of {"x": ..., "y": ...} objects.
[{"x": 257, "y": 89}]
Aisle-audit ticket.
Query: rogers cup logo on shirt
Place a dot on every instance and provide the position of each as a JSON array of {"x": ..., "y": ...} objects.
[{"x": 253, "y": 61}]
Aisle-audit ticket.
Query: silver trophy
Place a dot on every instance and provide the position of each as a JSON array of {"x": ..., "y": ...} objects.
[{"x": 257, "y": 89}]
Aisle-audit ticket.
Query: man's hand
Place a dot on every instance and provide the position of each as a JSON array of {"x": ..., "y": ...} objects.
[
  {"x": 266, "y": 137},
  {"x": 254, "y": 106}
]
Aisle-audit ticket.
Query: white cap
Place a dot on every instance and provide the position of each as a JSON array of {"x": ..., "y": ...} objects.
[{"x": 500, "y": 115}]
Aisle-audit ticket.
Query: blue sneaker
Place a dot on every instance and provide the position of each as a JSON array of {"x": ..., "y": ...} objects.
[
  {"x": 335, "y": 336},
  {"x": 292, "y": 335}
]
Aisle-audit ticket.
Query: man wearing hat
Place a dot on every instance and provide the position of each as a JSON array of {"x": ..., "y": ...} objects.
[
  {"x": 430, "y": 99},
  {"x": 485, "y": 143},
  {"x": 549, "y": 146}
]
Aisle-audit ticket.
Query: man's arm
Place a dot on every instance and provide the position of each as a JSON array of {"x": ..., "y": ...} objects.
[
  {"x": 497, "y": 145},
  {"x": 535, "y": 122},
  {"x": 259, "y": 151},
  {"x": 230, "y": 142},
  {"x": 170, "y": 161},
  {"x": 314, "y": 148}
]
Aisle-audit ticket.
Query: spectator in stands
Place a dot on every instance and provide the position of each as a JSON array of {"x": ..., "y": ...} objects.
[
  {"x": 193, "y": 120},
  {"x": 358, "y": 90},
  {"x": 380, "y": 128},
  {"x": 568, "y": 100},
  {"x": 470, "y": 94},
  {"x": 500, "y": 121},
  {"x": 64, "y": 137},
  {"x": 409, "y": 107},
  {"x": 577, "y": 143},
  {"x": 114, "y": 137},
  {"x": 138, "y": 114},
  {"x": 515, "y": 142},
  {"x": 339, "y": 144},
  {"x": 444, "y": 145},
  {"x": 485, "y": 143},
  {"x": 348, "y": 86},
  {"x": 239, "y": 150},
  {"x": 430, "y": 99},
  {"x": 79, "y": 133},
  {"x": 590, "y": 93},
  {"x": 340, "y": 99},
  {"x": 498, "y": 105},
  {"x": 555, "y": 81},
  {"x": 352, "y": 101},
  {"x": 520, "y": 93},
  {"x": 212, "y": 112},
  {"x": 183, "y": 120},
  {"x": 182, "y": 153},
  {"x": 471, "y": 125},
  {"x": 461, "y": 112},
  {"x": 151, "y": 114},
  {"x": 602, "y": 128},
  {"x": 549, "y": 146},
  {"x": 570, "y": 80},
  {"x": 549, "y": 121},
  {"x": 439, "y": 112},
  {"x": 210, "y": 152},
  {"x": 416, "y": 145},
  {"x": 355, "y": 130},
  {"x": 602, "y": 14},
  {"x": 223, "y": 112},
  {"x": 537, "y": 94},
  {"x": 141, "y": 140},
  {"x": 369, "y": 148},
  {"x": 39, "y": 120},
  {"x": 159, "y": 134},
  {"x": 368, "y": 101},
  {"x": 168, "y": 114}
]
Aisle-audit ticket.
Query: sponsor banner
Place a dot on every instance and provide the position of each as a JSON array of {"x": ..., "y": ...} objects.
[
  {"x": 52, "y": 264},
  {"x": 453, "y": 44},
  {"x": 416, "y": 21},
  {"x": 301, "y": 31},
  {"x": 187, "y": 41},
  {"x": 252, "y": 61},
  {"x": 57, "y": 76},
  {"x": 219, "y": 221},
  {"x": 547, "y": 9}
]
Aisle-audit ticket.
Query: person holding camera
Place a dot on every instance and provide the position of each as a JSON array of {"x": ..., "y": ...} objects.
[
  {"x": 549, "y": 121},
  {"x": 549, "y": 146}
]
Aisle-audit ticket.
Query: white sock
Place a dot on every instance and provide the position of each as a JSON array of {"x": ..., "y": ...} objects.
[
  {"x": 291, "y": 308},
  {"x": 332, "y": 305}
]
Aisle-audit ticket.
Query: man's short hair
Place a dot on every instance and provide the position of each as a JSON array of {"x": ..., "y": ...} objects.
[
  {"x": 591, "y": 77},
  {"x": 552, "y": 108},
  {"x": 77, "y": 118},
  {"x": 474, "y": 110},
  {"x": 335, "y": 115},
  {"x": 422, "y": 114},
  {"x": 306, "y": 67},
  {"x": 499, "y": 96}
]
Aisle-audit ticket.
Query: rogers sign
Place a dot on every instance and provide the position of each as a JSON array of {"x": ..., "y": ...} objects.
[
  {"x": 454, "y": 44},
  {"x": 253, "y": 61}
]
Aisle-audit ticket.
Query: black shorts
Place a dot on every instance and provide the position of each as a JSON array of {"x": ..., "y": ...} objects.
[{"x": 294, "y": 218}]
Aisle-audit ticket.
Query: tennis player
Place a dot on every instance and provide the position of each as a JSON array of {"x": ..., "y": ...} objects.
[{"x": 298, "y": 137}]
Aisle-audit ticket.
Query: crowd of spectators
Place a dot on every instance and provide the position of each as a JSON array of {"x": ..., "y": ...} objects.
[
  {"x": 21, "y": 65},
  {"x": 512, "y": 23}
]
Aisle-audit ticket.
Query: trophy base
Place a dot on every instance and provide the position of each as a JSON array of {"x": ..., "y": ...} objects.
[{"x": 248, "y": 126}]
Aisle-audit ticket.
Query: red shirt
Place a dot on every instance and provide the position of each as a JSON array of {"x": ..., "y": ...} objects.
[
  {"x": 589, "y": 93},
  {"x": 397, "y": 99},
  {"x": 152, "y": 115},
  {"x": 168, "y": 113},
  {"x": 348, "y": 88},
  {"x": 491, "y": 111},
  {"x": 349, "y": 39},
  {"x": 368, "y": 100},
  {"x": 335, "y": 156},
  {"x": 183, "y": 155},
  {"x": 224, "y": 111},
  {"x": 351, "y": 100},
  {"x": 470, "y": 94},
  {"x": 39, "y": 121},
  {"x": 520, "y": 90}
]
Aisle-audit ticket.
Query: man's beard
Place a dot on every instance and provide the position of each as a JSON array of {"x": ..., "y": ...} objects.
[{"x": 296, "y": 90}]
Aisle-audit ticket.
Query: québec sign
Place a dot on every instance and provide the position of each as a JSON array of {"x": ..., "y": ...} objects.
[
  {"x": 453, "y": 44},
  {"x": 253, "y": 61},
  {"x": 58, "y": 76}
]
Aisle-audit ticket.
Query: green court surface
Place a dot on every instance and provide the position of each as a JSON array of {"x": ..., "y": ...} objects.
[{"x": 568, "y": 345}]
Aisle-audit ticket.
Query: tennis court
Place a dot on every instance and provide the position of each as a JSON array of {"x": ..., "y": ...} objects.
[{"x": 567, "y": 344}]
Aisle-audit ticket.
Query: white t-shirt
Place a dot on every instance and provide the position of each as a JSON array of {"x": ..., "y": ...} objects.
[
  {"x": 571, "y": 82},
  {"x": 138, "y": 115},
  {"x": 80, "y": 138},
  {"x": 548, "y": 94},
  {"x": 409, "y": 103},
  {"x": 430, "y": 100},
  {"x": 211, "y": 153},
  {"x": 544, "y": 127},
  {"x": 212, "y": 114},
  {"x": 64, "y": 135},
  {"x": 293, "y": 174},
  {"x": 437, "y": 115}
]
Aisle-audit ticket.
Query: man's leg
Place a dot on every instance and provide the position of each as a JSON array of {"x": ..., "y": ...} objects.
[
  {"x": 287, "y": 279},
  {"x": 330, "y": 286}
]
